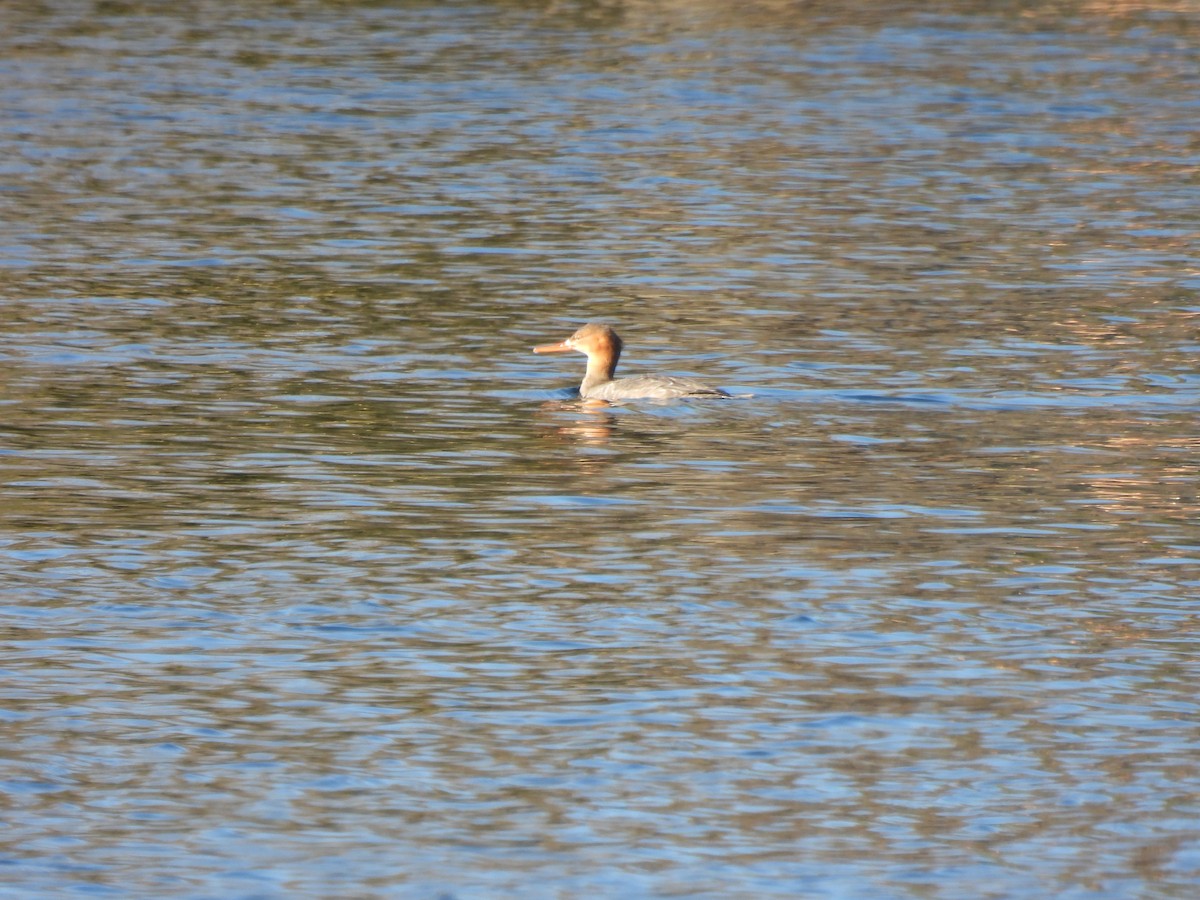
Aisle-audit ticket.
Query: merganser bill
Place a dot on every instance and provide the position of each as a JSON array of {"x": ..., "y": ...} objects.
[{"x": 603, "y": 349}]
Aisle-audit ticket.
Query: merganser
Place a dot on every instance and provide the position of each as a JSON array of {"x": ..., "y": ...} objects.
[{"x": 603, "y": 349}]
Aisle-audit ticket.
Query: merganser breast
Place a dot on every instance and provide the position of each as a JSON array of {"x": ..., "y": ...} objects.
[{"x": 603, "y": 349}]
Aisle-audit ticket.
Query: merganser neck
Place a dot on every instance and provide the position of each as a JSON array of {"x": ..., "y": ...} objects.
[{"x": 601, "y": 365}]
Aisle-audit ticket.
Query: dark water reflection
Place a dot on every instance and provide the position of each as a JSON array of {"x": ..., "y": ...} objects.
[{"x": 317, "y": 583}]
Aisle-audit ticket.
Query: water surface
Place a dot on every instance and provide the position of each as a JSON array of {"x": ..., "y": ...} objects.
[{"x": 316, "y": 582}]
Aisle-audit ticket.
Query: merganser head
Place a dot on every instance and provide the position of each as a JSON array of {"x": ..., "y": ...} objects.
[
  {"x": 594, "y": 339},
  {"x": 603, "y": 349}
]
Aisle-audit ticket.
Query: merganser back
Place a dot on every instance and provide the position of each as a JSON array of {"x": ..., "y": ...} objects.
[{"x": 603, "y": 349}]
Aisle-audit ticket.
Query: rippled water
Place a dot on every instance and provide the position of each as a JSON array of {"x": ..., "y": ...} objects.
[{"x": 316, "y": 582}]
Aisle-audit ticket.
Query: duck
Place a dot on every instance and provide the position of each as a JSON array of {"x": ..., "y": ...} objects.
[{"x": 602, "y": 346}]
